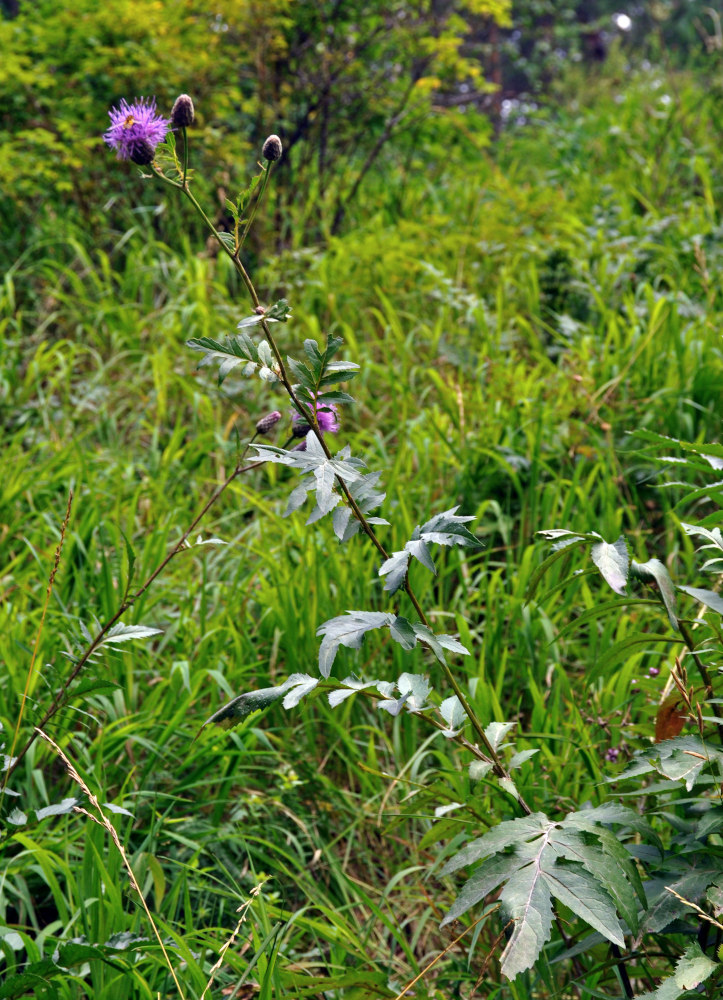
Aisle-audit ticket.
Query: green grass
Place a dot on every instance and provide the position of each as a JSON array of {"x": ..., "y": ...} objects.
[{"x": 517, "y": 318}]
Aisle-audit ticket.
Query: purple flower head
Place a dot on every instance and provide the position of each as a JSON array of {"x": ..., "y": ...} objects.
[
  {"x": 134, "y": 128},
  {"x": 325, "y": 414},
  {"x": 612, "y": 754}
]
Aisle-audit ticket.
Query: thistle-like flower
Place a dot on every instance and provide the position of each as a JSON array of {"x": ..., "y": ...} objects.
[
  {"x": 135, "y": 130},
  {"x": 326, "y": 417}
]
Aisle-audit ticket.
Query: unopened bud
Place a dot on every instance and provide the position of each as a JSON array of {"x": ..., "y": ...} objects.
[
  {"x": 266, "y": 423},
  {"x": 300, "y": 430},
  {"x": 272, "y": 148},
  {"x": 183, "y": 112},
  {"x": 143, "y": 153}
]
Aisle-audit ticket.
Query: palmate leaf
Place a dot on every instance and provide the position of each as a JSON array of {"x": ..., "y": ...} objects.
[{"x": 539, "y": 860}]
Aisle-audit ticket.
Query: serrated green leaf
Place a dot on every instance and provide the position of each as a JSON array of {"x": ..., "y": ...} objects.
[
  {"x": 453, "y": 713},
  {"x": 654, "y": 571},
  {"x": 481, "y": 884},
  {"x": 402, "y": 632},
  {"x": 664, "y": 907},
  {"x": 347, "y": 630},
  {"x": 417, "y": 686},
  {"x": 575, "y": 887},
  {"x": 497, "y": 839},
  {"x": 228, "y": 241},
  {"x": 496, "y": 732},
  {"x": 239, "y": 708},
  {"x": 692, "y": 969},
  {"x": 125, "y": 633},
  {"x": 613, "y": 562},
  {"x": 526, "y": 899},
  {"x": 708, "y": 597},
  {"x": 303, "y": 374},
  {"x": 395, "y": 570},
  {"x": 58, "y": 809}
]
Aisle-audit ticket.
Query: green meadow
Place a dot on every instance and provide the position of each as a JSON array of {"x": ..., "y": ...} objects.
[{"x": 527, "y": 311}]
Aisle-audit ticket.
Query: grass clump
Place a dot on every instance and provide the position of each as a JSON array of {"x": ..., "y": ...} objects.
[{"x": 522, "y": 324}]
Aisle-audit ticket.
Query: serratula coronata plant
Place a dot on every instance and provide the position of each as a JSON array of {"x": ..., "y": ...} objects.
[
  {"x": 574, "y": 860},
  {"x": 547, "y": 874}
]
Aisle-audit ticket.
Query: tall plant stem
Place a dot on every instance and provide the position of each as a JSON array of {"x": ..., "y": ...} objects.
[
  {"x": 705, "y": 676},
  {"x": 311, "y": 418}
]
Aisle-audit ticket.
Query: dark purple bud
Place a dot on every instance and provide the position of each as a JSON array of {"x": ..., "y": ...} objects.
[
  {"x": 183, "y": 112},
  {"x": 142, "y": 153},
  {"x": 266, "y": 423},
  {"x": 301, "y": 430},
  {"x": 272, "y": 148}
]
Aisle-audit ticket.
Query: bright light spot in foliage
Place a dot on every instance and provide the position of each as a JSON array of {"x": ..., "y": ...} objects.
[{"x": 623, "y": 22}]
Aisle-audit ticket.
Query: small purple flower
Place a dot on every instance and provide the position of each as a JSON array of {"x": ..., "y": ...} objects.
[
  {"x": 653, "y": 671},
  {"x": 325, "y": 414},
  {"x": 134, "y": 128},
  {"x": 612, "y": 755}
]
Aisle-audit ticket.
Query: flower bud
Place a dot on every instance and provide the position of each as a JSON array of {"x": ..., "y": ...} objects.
[
  {"x": 301, "y": 430},
  {"x": 142, "y": 153},
  {"x": 183, "y": 112},
  {"x": 272, "y": 148},
  {"x": 266, "y": 423}
]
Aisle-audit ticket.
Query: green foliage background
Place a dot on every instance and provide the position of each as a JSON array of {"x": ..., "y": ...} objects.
[{"x": 518, "y": 317}]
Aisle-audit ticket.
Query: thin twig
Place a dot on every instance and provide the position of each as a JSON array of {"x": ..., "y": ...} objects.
[
  {"x": 62, "y": 695},
  {"x": 104, "y": 821}
]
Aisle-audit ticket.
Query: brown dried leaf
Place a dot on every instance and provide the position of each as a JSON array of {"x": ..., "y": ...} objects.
[{"x": 671, "y": 717}]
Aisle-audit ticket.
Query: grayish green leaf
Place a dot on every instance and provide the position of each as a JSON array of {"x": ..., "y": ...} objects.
[
  {"x": 395, "y": 570},
  {"x": 518, "y": 759},
  {"x": 59, "y": 809},
  {"x": 299, "y": 690},
  {"x": 417, "y": 686},
  {"x": 708, "y": 597},
  {"x": 496, "y": 732},
  {"x": 124, "y": 633},
  {"x": 692, "y": 969},
  {"x": 613, "y": 562},
  {"x": 347, "y": 630},
  {"x": 452, "y": 712},
  {"x": 654, "y": 571}
]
